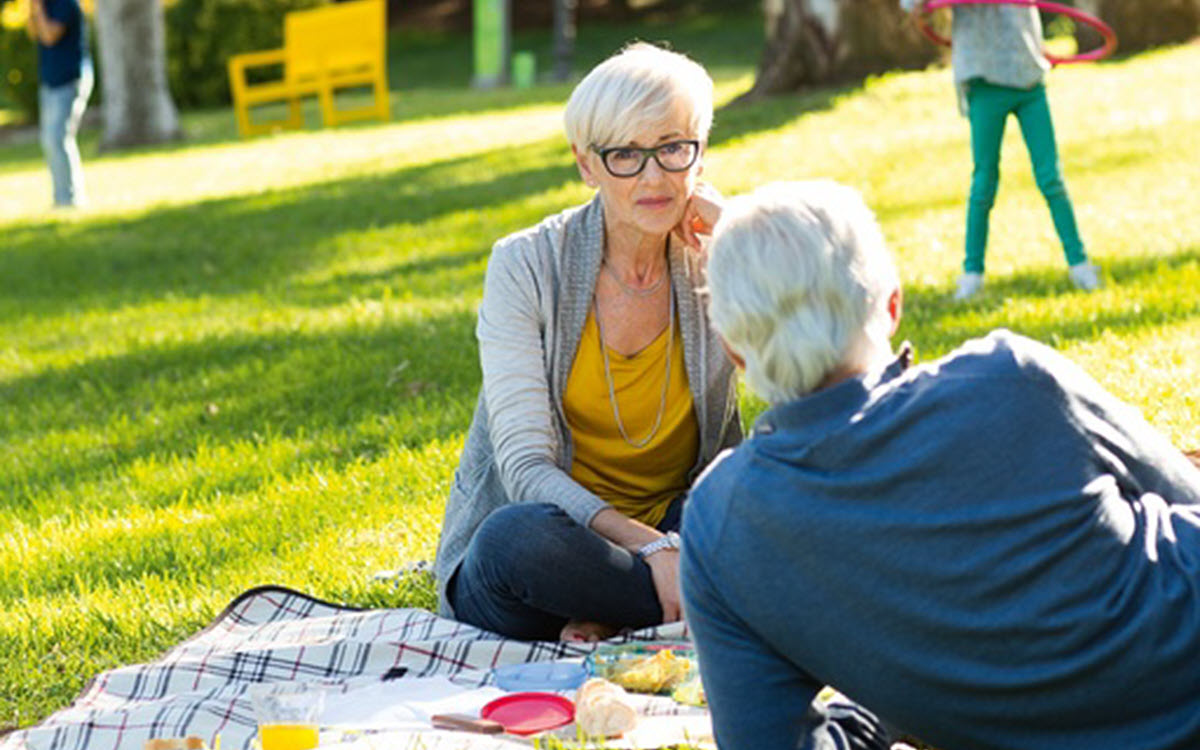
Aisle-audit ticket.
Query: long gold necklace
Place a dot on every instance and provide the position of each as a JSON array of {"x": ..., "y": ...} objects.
[{"x": 612, "y": 395}]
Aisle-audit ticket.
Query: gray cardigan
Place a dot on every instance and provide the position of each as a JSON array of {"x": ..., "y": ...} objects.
[{"x": 536, "y": 298}]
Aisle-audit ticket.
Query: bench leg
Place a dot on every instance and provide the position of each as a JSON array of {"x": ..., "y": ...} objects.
[
  {"x": 381, "y": 99},
  {"x": 328, "y": 111},
  {"x": 242, "y": 112},
  {"x": 295, "y": 119}
]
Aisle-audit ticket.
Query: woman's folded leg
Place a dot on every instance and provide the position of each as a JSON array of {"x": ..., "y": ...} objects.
[{"x": 530, "y": 569}]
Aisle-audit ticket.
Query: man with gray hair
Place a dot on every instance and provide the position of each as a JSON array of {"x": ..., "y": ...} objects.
[{"x": 987, "y": 552}]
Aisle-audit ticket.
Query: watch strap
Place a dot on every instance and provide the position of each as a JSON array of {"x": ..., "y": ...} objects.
[{"x": 669, "y": 540}]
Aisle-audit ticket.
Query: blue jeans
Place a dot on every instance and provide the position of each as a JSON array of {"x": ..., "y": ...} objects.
[
  {"x": 61, "y": 110},
  {"x": 530, "y": 569}
]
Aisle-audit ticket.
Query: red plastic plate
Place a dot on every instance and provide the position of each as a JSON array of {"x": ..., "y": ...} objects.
[{"x": 530, "y": 713}]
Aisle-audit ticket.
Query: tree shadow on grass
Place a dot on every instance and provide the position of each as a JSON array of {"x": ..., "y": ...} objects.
[
  {"x": 256, "y": 243},
  {"x": 353, "y": 393},
  {"x": 738, "y": 120}
]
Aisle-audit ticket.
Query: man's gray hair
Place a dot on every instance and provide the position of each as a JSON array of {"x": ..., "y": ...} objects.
[
  {"x": 639, "y": 87},
  {"x": 800, "y": 278}
]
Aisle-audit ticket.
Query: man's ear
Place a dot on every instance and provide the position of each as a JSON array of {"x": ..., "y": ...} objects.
[
  {"x": 895, "y": 307},
  {"x": 585, "y": 170}
]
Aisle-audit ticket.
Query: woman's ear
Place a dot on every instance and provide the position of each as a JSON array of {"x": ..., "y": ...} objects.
[{"x": 585, "y": 169}]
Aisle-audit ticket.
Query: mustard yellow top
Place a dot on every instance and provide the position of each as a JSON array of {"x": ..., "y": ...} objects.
[{"x": 639, "y": 482}]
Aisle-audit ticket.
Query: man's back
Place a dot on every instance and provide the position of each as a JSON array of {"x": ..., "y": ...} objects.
[{"x": 988, "y": 551}]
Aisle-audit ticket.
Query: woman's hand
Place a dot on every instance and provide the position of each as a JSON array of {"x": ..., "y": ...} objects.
[
  {"x": 700, "y": 215},
  {"x": 664, "y": 569},
  {"x": 623, "y": 531}
]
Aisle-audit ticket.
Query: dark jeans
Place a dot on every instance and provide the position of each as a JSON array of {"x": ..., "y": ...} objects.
[{"x": 531, "y": 568}]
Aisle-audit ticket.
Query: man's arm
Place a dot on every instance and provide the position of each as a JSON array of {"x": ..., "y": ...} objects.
[
  {"x": 42, "y": 28},
  {"x": 758, "y": 699}
]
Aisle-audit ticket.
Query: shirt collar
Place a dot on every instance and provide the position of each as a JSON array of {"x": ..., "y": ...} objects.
[{"x": 812, "y": 412}]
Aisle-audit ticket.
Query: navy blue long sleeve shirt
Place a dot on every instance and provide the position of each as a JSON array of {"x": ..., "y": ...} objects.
[{"x": 989, "y": 552}]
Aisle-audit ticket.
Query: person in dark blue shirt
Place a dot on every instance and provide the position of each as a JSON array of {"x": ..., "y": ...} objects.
[
  {"x": 65, "y": 70},
  {"x": 987, "y": 551}
]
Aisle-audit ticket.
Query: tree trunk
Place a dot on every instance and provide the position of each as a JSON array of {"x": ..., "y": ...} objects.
[
  {"x": 138, "y": 108},
  {"x": 564, "y": 38},
  {"x": 1141, "y": 25},
  {"x": 815, "y": 42}
]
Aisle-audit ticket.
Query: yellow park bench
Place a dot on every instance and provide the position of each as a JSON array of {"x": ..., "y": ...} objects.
[{"x": 325, "y": 49}]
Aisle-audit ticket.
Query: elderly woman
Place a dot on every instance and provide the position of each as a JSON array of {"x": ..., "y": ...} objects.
[{"x": 605, "y": 391}]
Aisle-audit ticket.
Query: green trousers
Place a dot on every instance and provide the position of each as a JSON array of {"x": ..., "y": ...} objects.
[{"x": 988, "y": 108}]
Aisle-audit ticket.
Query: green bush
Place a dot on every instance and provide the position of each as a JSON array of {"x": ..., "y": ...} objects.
[
  {"x": 203, "y": 34},
  {"x": 18, "y": 73}
]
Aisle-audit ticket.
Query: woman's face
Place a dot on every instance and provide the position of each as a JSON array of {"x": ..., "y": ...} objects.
[{"x": 652, "y": 201}]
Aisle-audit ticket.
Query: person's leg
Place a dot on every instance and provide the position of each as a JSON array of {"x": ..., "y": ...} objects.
[
  {"x": 53, "y": 112},
  {"x": 83, "y": 90},
  {"x": 530, "y": 569},
  {"x": 579, "y": 630},
  {"x": 987, "y": 109},
  {"x": 1037, "y": 128}
]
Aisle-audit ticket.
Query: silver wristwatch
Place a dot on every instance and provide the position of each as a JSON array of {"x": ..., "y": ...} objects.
[{"x": 669, "y": 540}]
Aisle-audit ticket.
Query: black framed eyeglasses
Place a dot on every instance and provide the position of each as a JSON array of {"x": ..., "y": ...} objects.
[{"x": 629, "y": 161}]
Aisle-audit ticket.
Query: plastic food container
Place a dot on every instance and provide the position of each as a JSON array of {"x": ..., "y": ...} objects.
[
  {"x": 651, "y": 667},
  {"x": 553, "y": 675}
]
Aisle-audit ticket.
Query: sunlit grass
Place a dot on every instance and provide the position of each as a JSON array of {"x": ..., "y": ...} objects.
[{"x": 253, "y": 362}]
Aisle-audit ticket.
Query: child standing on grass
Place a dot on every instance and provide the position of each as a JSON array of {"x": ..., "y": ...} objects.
[{"x": 999, "y": 70}]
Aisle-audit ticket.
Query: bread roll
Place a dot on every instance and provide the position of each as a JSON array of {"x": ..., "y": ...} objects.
[{"x": 602, "y": 711}]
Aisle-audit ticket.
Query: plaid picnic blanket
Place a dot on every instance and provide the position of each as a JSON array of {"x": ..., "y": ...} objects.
[{"x": 273, "y": 634}]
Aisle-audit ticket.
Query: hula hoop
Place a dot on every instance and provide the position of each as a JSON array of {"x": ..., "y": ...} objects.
[{"x": 1101, "y": 52}]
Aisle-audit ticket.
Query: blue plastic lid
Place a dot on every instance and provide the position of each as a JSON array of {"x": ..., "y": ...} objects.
[{"x": 552, "y": 675}]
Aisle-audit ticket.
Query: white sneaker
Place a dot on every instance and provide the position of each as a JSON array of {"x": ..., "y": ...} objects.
[
  {"x": 969, "y": 285},
  {"x": 1085, "y": 276}
]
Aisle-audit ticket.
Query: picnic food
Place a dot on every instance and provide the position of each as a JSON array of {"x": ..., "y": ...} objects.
[
  {"x": 690, "y": 692},
  {"x": 601, "y": 709},
  {"x": 661, "y": 672},
  {"x": 175, "y": 743},
  {"x": 467, "y": 723},
  {"x": 655, "y": 668}
]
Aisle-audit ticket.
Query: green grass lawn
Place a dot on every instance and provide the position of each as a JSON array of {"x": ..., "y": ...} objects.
[{"x": 253, "y": 362}]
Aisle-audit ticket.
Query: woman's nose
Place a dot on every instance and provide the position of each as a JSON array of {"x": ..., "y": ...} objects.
[{"x": 652, "y": 171}]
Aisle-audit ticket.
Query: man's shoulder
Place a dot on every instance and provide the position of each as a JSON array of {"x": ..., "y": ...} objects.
[
  {"x": 1000, "y": 376},
  {"x": 1001, "y": 354},
  {"x": 63, "y": 11},
  {"x": 720, "y": 483}
]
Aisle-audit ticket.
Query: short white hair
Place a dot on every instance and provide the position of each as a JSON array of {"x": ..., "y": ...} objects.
[
  {"x": 638, "y": 88},
  {"x": 799, "y": 277}
]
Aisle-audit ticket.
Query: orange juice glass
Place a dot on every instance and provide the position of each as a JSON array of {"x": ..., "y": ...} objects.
[
  {"x": 288, "y": 714},
  {"x": 287, "y": 736}
]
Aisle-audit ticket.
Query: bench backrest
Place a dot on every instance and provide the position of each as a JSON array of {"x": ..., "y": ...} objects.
[{"x": 344, "y": 36}]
